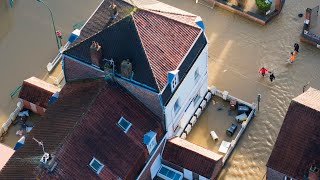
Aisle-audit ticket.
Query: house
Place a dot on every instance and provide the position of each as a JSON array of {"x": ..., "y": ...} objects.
[
  {"x": 35, "y": 94},
  {"x": 131, "y": 77},
  {"x": 95, "y": 130},
  {"x": 160, "y": 57},
  {"x": 296, "y": 153}
]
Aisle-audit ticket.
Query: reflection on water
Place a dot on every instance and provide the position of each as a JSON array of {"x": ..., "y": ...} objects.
[{"x": 237, "y": 48}]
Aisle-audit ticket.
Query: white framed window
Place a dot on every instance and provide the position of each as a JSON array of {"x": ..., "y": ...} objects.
[
  {"x": 150, "y": 140},
  {"x": 168, "y": 173},
  {"x": 177, "y": 106},
  {"x": 124, "y": 124},
  {"x": 196, "y": 75},
  {"x": 174, "y": 82},
  {"x": 96, "y": 165}
]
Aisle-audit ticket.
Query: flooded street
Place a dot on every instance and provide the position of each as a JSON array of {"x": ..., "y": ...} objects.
[{"x": 237, "y": 49}]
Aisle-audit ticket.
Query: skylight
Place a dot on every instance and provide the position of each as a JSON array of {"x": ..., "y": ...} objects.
[
  {"x": 96, "y": 165},
  {"x": 124, "y": 124}
]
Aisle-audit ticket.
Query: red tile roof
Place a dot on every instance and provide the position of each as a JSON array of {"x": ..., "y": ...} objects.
[
  {"x": 37, "y": 91},
  {"x": 190, "y": 156},
  {"x": 81, "y": 125},
  {"x": 155, "y": 42},
  {"x": 298, "y": 143},
  {"x": 166, "y": 41}
]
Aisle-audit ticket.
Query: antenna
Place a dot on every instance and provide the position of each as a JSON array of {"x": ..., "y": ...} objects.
[{"x": 40, "y": 143}]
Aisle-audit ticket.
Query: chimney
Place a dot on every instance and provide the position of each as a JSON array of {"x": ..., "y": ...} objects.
[
  {"x": 314, "y": 173},
  {"x": 126, "y": 68},
  {"x": 96, "y": 53}
]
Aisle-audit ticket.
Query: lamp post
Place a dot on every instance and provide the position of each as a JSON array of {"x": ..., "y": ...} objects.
[{"x": 54, "y": 27}]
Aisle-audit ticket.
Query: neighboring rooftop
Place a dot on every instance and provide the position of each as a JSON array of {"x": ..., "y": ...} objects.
[
  {"x": 37, "y": 91},
  {"x": 298, "y": 143},
  {"x": 6, "y": 153},
  {"x": 83, "y": 123},
  {"x": 190, "y": 156},
  {"x": 137, "y": 37}
]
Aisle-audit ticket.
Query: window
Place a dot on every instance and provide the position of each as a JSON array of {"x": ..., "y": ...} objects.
[
  {"x": 196, "y": 74},
  {"x": 287, "y": 178},
  {"x": 196, "y": 99},
  {"x": 150, "y": 140},
  {"x": 96, "y": 165},
  {"x": 169, "y": 173},
  {"x": 176, "y": 107},
  {"x": 124, "y": 124},
  {"x": 174, "y": 83}
]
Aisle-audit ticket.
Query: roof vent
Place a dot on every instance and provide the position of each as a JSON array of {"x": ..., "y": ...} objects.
[
  {"x": 124, "y": 124},
  {"x": 95, "y": 53},
  {"x": 314, "y": 173},
  {"x": 96, "y": 165},
  {"x": 126, "y": 68},
  {"x": 47, "y": 160}
]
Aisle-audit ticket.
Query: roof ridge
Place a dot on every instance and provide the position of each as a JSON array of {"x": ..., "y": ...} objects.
[
  {"x": 158, "y": 86},
  {"x": 105, "y": 28},
  {"x": 153, "y": 12},
  {"x": 184, "y": 144},
  {"x": 171, "y": 12}
]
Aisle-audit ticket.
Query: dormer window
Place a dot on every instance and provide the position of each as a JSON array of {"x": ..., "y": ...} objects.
[
  {"x": 173, "y": 79},
  {"x": 96, "y": 165},
  {"x": 124, "y": 124},
  {"x": 149, "y": 139}
]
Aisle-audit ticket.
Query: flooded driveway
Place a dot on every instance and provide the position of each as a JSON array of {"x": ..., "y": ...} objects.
[{"x": 237, "y": 49}]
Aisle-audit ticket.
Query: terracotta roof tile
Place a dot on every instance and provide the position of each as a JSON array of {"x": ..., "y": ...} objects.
[
  {"x": 37, "y": 91},
  {"x": 190, "y": 156},
  {"x": 165, "y": 41},
  {"x": 298, "y": 144},
  {"x": 155, "y": 42},
  {"x": 81, "y": 125}
]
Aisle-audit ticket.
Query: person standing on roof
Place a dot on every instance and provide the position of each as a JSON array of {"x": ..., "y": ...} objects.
[{"x": 263, "y": 71}]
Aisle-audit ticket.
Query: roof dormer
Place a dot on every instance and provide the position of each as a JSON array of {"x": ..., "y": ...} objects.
[{"x": 173, "y": 79}]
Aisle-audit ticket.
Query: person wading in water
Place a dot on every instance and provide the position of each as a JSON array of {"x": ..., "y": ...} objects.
[
  {"x": 263, "y": 71},
  {"x": 272, "y": 77}
]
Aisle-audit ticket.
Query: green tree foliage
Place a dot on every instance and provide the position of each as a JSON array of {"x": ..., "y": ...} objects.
[{"x": 263, "y": 6}]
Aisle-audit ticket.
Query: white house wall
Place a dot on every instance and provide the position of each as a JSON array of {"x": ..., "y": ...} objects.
[{"x": 186, "y": 92}]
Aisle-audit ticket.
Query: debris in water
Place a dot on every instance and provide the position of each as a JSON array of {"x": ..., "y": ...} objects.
[
  {"x": 225, "y": 70},
  {"x": 300, "y": 15}
]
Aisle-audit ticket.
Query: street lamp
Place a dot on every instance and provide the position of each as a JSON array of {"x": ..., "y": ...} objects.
[{"x": 54, "y": 27}]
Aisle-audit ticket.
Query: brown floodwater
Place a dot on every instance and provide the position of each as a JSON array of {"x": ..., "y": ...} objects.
[
  {"x": 237, "y": 48},
  {"x": 27, "y": 43}
]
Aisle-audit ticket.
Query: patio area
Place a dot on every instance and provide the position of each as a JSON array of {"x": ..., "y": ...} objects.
[{"x": 216, "y": 117}]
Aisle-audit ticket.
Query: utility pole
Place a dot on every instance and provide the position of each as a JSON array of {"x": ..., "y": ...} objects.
[{"x": 54, "y": 27}]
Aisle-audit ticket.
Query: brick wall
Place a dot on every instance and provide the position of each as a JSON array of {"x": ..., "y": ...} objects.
[
  {"x": 148, "y": 98},
  {"x": 217, "y": 169},
  {"x": 274, "y": 175},
  {"x": 33, "y": 107},
  {"x": 75, "y": 70},
  {"x": 146, "y": 174}
]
